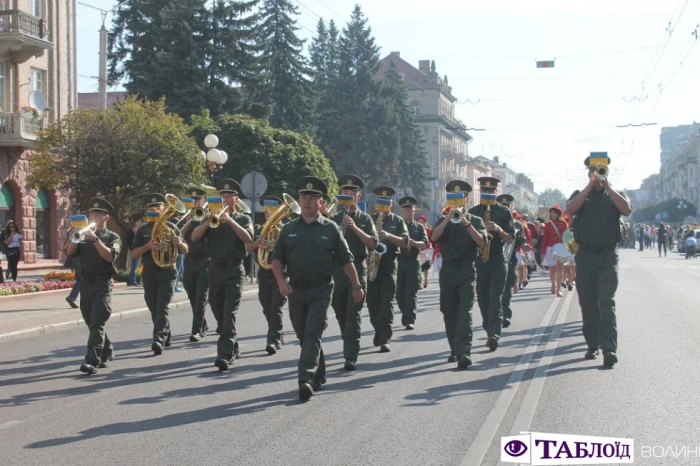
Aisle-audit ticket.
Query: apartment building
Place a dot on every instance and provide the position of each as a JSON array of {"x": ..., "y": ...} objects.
[{"x": 37, "y": 69}]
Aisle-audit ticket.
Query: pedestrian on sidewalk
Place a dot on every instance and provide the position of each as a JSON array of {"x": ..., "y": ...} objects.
[
  {"x": 97, "y": 253},
  {"x": 12, "y": 237},
  {"x": 72, "y": 264},
  {"x": 598, "y": 208}
]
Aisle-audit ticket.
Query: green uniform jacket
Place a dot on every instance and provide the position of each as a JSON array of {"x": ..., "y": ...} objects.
[
  {"x": 143, "y": 236},
  {"x": 198, "y": 250},
  {"x": 91, "y": 263},
  {"x": 224, "y": 243},
  {"x": 503, "y": 217},
  {"x": 395, "y": 225},
  {"x": 456, "y": 245},
  {"x": 416, "y": 232},
  {"x": 364, "y": 222},
  {"x": 310, "y": 251},
  {"x": 597, "y": 223}
]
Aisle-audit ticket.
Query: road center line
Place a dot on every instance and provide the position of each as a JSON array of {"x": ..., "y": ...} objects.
[
  {"x": 9, "y": 424},
  {"x": 484, "y": 437},
  {"x": 534, "y": 391}
]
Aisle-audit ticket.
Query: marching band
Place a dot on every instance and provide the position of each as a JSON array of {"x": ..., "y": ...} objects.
[{"x": 330, "y": 256}]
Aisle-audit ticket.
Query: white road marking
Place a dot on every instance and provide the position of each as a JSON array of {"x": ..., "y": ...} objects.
[
  {"x": 9, "y": 424},
  {"x": 484, "y": 437},
  {"x": 534, "y": 391}
]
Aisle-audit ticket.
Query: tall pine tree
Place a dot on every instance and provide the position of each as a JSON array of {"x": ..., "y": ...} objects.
[{"x": 285, "y": 70}]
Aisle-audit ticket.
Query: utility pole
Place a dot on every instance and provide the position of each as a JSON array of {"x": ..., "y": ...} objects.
[{"x": 102, "y": 76}]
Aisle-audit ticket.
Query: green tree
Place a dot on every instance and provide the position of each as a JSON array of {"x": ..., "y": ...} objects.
[
  {"x": 283, "y": 156},
  {"x": 286, "y": 86},
  {"x": 119, "y": 154},
  {"x": 668, "y": 210},
  {"x": 550, "y": 197}
]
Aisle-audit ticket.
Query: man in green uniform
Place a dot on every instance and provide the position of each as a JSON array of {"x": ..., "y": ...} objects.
[
  {"x": 158, "y": 283},
  {"x": 491, "y": 275},
  {"x": 408, "y": 280},
  {"x": 309, "y": 248},
  {"x": 358, "y": 230},
  {"x": 459, "y": 247},
  {"x": 97, "y": 253},
  {"x": 269, "y": 296},
  {"x": 382, "y": 291},
  {"x": 196, "y": 274},
  {"x": 227, "y": 248},
  {"x": 598, "y": 208},
  {"x": 519, "y": 241}
]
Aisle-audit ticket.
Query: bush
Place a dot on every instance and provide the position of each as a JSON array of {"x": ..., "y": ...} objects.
[{"x": 123, "y": 276}]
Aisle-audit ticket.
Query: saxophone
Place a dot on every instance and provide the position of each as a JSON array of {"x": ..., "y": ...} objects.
[
  {"x": 486, "y": 252},
  {"x": 376, "y": 255}
]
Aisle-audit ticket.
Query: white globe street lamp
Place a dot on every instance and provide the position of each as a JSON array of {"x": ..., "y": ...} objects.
[
  {"x": 216, "y": 158},
  {"x": 211, "y": 141}
]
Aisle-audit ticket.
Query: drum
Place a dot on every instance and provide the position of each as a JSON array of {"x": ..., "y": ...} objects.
[{"x": 560, "y": 253}]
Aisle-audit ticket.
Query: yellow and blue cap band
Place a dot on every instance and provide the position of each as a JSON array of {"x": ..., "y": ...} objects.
[
  {"x": 270, "y": 205},
  {"x": 188, "y": 202},
  {"x": 455, "y": 199},
  {"x": 344, "y": 199},
  {"x": 362, "y": 205},
  {"x": 215, "y": 203},
  {"x": 78, "y": 221},
  {"x": 598, "y": 158},
  {"x": 382, "y": 205},
  {"x": 488, "y": 199},
  {"x": 152, "y": 216}
]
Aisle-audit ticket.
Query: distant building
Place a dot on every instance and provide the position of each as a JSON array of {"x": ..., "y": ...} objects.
[
  {"x": 91, "y": 100},
  {"x": 37, "y": 87},
  {"x": 673, "y": 138},
  {"x": 446, "y": 140},
  {"x": 679, "y": 176}
]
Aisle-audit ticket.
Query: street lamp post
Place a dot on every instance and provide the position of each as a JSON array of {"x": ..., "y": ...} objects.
[
  {"x": 216, "y": 158},
  {"x": 681, "y": 206}
]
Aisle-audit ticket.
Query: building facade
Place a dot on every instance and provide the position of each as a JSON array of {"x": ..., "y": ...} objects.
[
  {"x": 679, "y": 175},
  {"x": 674, "y": 138},
  {"x": 37, "y": 69},
  {"x": 476, "y": 168},
  {"x": 445, "y": 139}
]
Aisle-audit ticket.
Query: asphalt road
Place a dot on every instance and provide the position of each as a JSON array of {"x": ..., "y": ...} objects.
[{"x": 407, "y": 407}]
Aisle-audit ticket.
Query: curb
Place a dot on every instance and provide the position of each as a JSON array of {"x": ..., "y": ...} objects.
[
  {"x": 46, "y": 329},
  {"x": 42, "y": 294}
]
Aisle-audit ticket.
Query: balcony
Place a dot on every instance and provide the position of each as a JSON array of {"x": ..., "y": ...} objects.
[
  {"x": 22, "y": 35},
  {"x": 17, "y": 129}
]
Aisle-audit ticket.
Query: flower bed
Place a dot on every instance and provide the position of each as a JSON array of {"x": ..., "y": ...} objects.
[
  {"x": 8, "y": 289},
  {"x": 62, "y": 276}
]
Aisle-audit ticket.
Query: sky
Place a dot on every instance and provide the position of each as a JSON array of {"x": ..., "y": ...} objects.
[{"x": 616, "y": 63}]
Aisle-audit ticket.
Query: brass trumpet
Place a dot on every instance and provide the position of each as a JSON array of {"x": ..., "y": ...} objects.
[
  {"x": 601, "y": 171},
  {"x": 456, "y": 215},
  {"x": 215, "y": 218},
  {"x": 78, "y": 236}
]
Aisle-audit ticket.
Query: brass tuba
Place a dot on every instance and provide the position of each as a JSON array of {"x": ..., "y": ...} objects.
[
  {"x": 270, "y": 232},
  {"x": 569, "y": 241},
  {"x": 165, "y": 256},
  {"x": 486, "y": 252}
]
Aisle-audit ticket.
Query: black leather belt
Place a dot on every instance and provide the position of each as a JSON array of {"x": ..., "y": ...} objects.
[
  {"x": 227, "y": 262},
  {"x": 307, "y": 284},
  {"x": 597, "y": 248}
]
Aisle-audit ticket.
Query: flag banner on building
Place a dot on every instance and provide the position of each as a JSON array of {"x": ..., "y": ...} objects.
[
  {"x": 455, "y": 199},
  {"x": 488, "y": 199},
  {"x": 345, "y": 200},
  {"x": 545, "y": 63},
  {"x": 270, "y": 205},
  {"x": 78, "y": 221},
  {"x": 151, "y": 216},
  {"x": 382, "y": 205},
  {"x": 598, "y": 158},
  {"x": 215, "y": 203},
  {"x": 188, "y": 202}
]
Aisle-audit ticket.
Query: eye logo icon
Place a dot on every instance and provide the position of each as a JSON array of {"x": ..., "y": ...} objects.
[{"x": 515, "y": 448}]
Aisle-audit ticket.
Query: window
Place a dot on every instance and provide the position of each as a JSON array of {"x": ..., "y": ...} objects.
[
  {"x": 37, "y": 82},
  {"x": 2, "y": 86},
  {"x": 35, "y": 8}
]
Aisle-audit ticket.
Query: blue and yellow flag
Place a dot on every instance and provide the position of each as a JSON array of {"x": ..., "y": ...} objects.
[
  {"x": 488, "y": 199},
  {"x": 215, "y": 204},
  {"x": 188, "y": 202},
  {"x": 382, "y": 205},
  {"x": 362, "y": 205},
  {"x": 455, "y": 199},
  {"x": 598, "y": 158},
  {"x": 345, "y": 200},
  {"x": 78, "y": 221},
  {"x": 151, "y": 216},
  {"x": 270, "y": 205}
]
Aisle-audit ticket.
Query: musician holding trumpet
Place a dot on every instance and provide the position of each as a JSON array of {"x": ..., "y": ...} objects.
[
  {"x": 228, "y": 232},
  {"x": 460, "y": 235},
  {"x": 359, "y": 232},
  {"x": 97, "y": 248},
  {"x": 598, "y": 208},
  {"x": 158, "y": 278}
]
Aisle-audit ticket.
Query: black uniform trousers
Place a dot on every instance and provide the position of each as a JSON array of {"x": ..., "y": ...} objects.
[
  {"x": 596, "y": 284},
  {"x": 196, "y": 281},
  {"x": 272, "y": 303},
  {"x": 158, "y": 289},
  {"x": 347, "y": 311},
  {"x": 456, "y": 302},
  {"x": 490, "y": 282},
  {"x": 308, "y": 311},
  {"x": 408, "y": 282},
  {"x": 380, "y": 296},
  {"x": 96, "y": 308},
  {"x": 511, "y": 275},
  {"x": 225, "y": 289}
]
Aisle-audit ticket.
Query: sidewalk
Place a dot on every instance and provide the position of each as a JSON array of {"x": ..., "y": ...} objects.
[{"x": 48, "y": 312}]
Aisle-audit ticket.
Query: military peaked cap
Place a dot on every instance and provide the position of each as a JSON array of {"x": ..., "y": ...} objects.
[
  {"x": 270, "y": 198},
  {"x": 408, "y": 201},
  {"x": 97, "y": 204},
  {"x": 488, "y": 182},
  {"x": 598, "y": 157},
  {"x": 384, "y": 191},
  {"x": 458, "y": 186},
  {"x": 227, "y": 185},
  {"x": 312, "y": 185},
  {"x": 196, "y": 193},
  {"x": 154, "y": 199},
  {"x": 351, "y": 182},
  {"x": 505, "y": 199}
]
